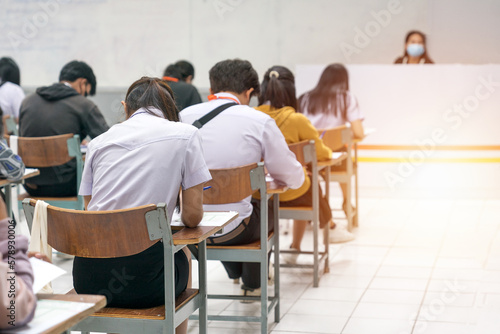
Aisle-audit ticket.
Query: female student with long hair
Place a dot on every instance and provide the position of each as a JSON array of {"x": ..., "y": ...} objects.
[
  {"x": 331, "y": 104},
  {"x": 278, "y": 100},
  {"x": 144, "y": 160}
]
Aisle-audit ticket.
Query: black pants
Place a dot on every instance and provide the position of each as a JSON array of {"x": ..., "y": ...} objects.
[
  {"x": 54, "y": 190},
  {"x": 247, "y": 232},
  {"x": 135, "y": 281}
]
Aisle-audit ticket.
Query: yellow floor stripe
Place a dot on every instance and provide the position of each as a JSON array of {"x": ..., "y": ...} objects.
[{"x": 431, "y": 160}]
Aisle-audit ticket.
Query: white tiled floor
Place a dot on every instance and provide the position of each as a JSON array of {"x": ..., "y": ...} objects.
[{"x": 416, "y": 266}]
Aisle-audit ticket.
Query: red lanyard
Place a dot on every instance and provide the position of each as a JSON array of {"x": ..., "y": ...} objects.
[
  {"x": 170, "y": 79},
  {"x": 214, "y": 97}
]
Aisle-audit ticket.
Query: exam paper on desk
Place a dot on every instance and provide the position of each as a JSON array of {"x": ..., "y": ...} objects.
[
  {"x": 50, "y": 313},
  {"x": 29, "y": 170},
  {"x": 336, "y": 155},
  {"x": 210, "y": 218},
  {"x": 44, "y": 272}
]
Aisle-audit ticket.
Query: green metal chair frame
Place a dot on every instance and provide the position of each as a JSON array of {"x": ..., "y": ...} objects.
[
  {"x": 307, "y": 157},
  {"x": 257, "y": 252},
  {"x": 91, "y": 236}
]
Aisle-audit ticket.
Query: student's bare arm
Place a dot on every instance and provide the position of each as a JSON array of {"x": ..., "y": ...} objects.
[
  {"x": 357, "y": 129},
  {"x": 86, "y": 200},
  {"x": 192, "y": 206}
]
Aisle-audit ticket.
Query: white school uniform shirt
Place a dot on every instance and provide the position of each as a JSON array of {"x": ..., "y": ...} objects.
[
  {"x": 327, "y": 120},
  {"x": 11, "y": 96},
  {"x": 142, "y": 161},
  {"x": 239, "y": 136}
]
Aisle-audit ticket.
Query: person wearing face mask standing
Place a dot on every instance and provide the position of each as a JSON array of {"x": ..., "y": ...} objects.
[
  {"x": 60, "y": 109},
  {"x": 415, "y": 50}
]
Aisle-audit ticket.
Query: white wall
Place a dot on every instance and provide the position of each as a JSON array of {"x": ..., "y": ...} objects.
[
  {"x": 125, "y": 39},
  {"x": 426, "y": 107}
]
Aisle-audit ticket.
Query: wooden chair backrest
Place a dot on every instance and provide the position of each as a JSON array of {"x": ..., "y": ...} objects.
[
  {"x": 229, "y": 185},
  {"x": 334, "y": 138},
  {"x": 305, "y": 151},
  {"x": 98, "y": 234},
  {"x": 44, "y": 151}
]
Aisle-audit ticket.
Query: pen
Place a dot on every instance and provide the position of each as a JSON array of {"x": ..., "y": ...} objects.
[
  {"x": 322, "y": 134},
  {"x": 208, "y": 187}
]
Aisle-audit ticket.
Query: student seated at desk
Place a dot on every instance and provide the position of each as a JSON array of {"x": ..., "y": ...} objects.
[
  {"x": 11, "y": 93},
  {"x": 331, "y": 104},
  {"x": 241, "y": 135},
  {"x": 59, "y": 109},
  {"x": 185, "y": 94},
  {"x": 278, "y": 100},
  {"x": 143, "y": 160},
  {"x": 16, "y": 291}
]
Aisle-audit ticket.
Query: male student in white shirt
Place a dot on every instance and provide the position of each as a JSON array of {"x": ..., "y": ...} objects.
[{"x": 238, "y": 136}]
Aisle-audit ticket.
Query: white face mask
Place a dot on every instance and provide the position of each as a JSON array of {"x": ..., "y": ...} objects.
[{"x": 415, "y": 50}]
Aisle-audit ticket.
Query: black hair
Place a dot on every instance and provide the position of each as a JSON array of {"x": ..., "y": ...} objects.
[
  {"x": 234, "y": 75},
  {"x": 330, "y": 94},
  {"x": 151, "y": 92},
  {"x": 9, "y": 71},
  {"x": 172, "y": 71},
  {"x": 186, "y": 69},
  {"x": 278, "y": 87},
  {"x": 78, "y": 69}
]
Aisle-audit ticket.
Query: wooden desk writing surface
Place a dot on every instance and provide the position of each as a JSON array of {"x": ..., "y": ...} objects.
[
  {"x": 194, "y": 235},
  {"x": 191, "y": 236},
  {"x": 37, "y": 325},
  {"x": 31, "y": 172},
  {"x": 336, "y": 158},
  {"x": 275, "y": 188}
]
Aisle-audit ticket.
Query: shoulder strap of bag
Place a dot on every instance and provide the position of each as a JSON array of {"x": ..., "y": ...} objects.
[{"x": 208, "y": 117}]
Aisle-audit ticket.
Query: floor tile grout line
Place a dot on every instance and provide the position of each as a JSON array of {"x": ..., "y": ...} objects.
[
  {"x": 490, "y": 246},
  {"x": 374, "y": 275},
  {"x": 434, "y": 266}
]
